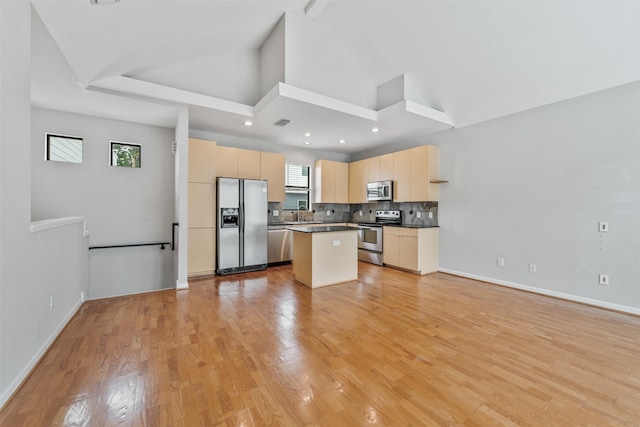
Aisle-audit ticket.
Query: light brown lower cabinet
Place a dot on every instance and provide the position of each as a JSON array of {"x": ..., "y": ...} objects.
[
  {"x": 413, "y": 249},
  {"x": 201, "y": 260}
]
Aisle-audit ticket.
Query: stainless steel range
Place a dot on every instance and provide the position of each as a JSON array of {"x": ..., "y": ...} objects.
[{"x": 370, "y": 236}]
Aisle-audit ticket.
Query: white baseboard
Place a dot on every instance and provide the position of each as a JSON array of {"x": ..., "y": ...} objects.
[
  {"x": 17, "y": 382},
  {"x": 182, "y": 284},
  {"x": 561, "y": 295}
]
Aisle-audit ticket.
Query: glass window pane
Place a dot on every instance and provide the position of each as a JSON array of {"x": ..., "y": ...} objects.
[
  {"x": 64, "y": 148},
  {"x": 125, "y": 155},
  {"x": 297, "y": 187}
]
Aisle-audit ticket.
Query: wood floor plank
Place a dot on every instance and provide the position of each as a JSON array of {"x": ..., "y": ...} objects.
[{"x": 391, "y": 348}]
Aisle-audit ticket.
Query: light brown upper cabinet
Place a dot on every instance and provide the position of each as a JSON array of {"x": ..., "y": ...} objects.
[
  {"x": 202, "y": 161},
  {"x": 358, "y": 176},
  {"x": 238, "y": 163},
  {"x": 227, "y": 162},
  {"x": 402, "y": 176},
  {"x": 251, "y": 164},
  {"x": 331, "y": 182},
  {"x": 373, "y": 166},
  {"x": 413, "y": 170},
  {"x": 272, "y": 168},
  {"x": 386, "y": 167},
  {"x": 248, "y": 164}
]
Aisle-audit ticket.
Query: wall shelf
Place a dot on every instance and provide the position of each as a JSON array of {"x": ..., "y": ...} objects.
[{"x": 438, "y": 181}]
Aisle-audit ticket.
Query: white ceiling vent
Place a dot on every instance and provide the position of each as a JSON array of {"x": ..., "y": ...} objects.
[{"x": 282, "y": 122}]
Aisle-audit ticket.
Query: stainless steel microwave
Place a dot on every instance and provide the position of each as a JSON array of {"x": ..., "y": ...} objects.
[{"x": 380, "y": 190}]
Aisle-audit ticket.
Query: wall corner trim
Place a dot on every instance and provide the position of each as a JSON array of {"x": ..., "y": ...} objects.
[{"x": 182, "y": 284}]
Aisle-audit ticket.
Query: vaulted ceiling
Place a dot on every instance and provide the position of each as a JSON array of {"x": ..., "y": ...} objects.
[{"x": 335, "y": 68}]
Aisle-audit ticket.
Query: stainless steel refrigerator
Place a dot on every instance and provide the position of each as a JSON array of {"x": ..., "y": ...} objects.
[{"x": 242, "y": 225}]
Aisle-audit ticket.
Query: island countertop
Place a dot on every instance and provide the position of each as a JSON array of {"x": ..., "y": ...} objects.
[{"x": 322, "y": 228}]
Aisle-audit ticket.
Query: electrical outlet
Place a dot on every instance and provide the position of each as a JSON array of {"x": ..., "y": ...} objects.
[
  {"x": 532, "y": 268},
  {"x": 500, "y": 262},
  {"x": 51, "y": 303},
  {"x": 604, "y": 279},
  {"x": 603, "y": 227},
  {"x": 430, "y": 215},
  {"x": 360, "y": 213},
  {"x": 336, "y": 243},
  {"x": 276, "y": 212},
  {"x": 328, "y": 213},
  {"x": 418, "y": 214}
]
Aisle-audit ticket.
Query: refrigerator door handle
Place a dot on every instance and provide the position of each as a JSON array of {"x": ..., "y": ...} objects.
[{"x": 241, "y": 225}]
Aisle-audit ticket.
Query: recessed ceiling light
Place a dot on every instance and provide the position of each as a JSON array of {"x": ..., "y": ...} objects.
[
  {"x": 306, "y": 143},
  {"x": 248, "y": 123},
  {"x": 375, "y": 130},
  {"x": 307, "y": 134},
  {"x": 342, "y": 141}
]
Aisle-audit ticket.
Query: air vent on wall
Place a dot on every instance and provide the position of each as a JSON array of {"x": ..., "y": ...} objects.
[{"x": 282, "y": 122}]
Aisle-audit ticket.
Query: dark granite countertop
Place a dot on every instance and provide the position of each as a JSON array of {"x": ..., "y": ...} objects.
[
  {"x": 407, "y": 225},
  {"x": 321, "y": 228},
  {"x": 414, "y": 226}
]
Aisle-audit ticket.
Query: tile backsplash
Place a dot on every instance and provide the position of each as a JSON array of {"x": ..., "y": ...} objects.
[
  {"x": 409, "y": 211},
  {"x": 358, "y": 212}
]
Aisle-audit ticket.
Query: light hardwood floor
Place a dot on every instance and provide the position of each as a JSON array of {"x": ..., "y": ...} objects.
[{"x": 389, "y": 349}]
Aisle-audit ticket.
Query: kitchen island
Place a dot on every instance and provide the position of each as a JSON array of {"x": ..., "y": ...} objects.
[{"x": 325, "y": 255}]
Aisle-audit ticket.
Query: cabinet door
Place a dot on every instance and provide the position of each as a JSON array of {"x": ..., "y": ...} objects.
[
  {"x": 419, "y": 174},
  {"x": 402, "y": 176},
  {"x": 357, "y": 182},
  {"x": 325, "y": 181},
  {"x": 202, "y": 161},
  {"x": 342, "y": 182},
  {"x": 202, "y": 258},
  {"x": 227, "y": 162},
  {"x": 373, "y": 169},
  {"x": 428, "y": 250},
  {"x": 391, "y": 249},
  {"x": 202, "y": 202},
  {"x": 248, "y": 164},
  {"x": 272, "y": 169},
  {"x": 408, "y": 253},
  {"x": 386, "y": 167}
]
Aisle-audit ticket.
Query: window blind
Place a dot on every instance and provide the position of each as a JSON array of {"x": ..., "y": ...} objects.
[{"x": 296, "y": 176}]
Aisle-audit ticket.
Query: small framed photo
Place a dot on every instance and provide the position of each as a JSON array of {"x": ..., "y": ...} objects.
[{"x": 125, "y": 154}]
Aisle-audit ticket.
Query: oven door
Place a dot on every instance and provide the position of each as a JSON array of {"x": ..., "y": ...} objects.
[{"x": 370, "y": 238}]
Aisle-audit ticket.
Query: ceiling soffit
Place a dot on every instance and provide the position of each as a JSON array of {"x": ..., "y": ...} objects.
[{"x": 306, "y": 76}]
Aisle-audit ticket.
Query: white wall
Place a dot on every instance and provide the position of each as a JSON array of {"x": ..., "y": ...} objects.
[
  {"x": 531, "y": 188},
  {"x": 33, "y": 266},
  {"x": 120, "y": 205},
  {"x": 316, "y": 61}
]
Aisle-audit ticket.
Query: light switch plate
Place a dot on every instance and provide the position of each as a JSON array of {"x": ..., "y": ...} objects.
[
  {"x": 276, "y": 213},
  {"x": 603, "y": 227}
]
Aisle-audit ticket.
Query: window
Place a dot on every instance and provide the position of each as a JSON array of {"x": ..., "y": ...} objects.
[
  {"x": 126, "y": 155},
  {"x": 60, "y": 148},
  {"x": 296, "y": 187}
]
